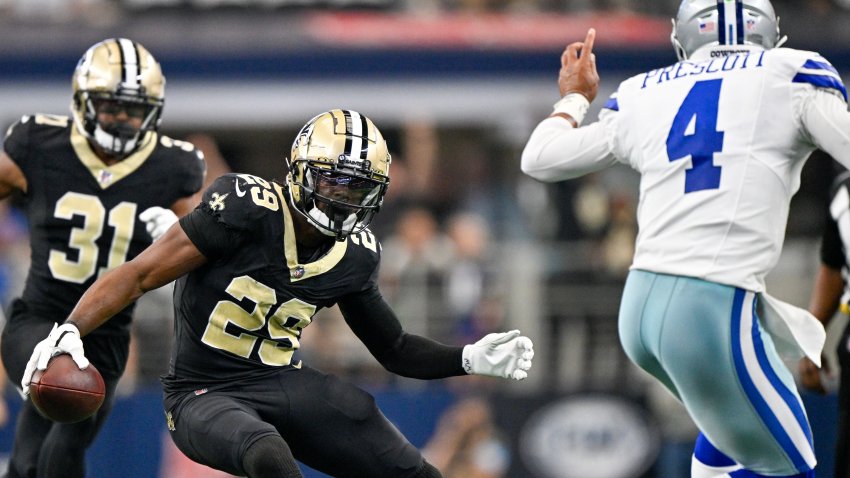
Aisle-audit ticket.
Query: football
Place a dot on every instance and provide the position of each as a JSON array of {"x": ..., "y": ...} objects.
[{"x": 64, "y": 393}]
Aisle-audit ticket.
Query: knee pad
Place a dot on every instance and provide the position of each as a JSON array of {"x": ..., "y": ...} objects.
[{"x": 270, "y": 456}]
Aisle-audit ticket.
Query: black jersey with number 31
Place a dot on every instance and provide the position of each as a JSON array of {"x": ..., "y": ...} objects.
[
  {"x": 241, "y": 314},
  {"x": 83, "y": 215}
]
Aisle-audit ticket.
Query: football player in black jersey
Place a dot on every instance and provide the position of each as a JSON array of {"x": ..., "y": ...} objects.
[
  {"x": 830, "y": 295},
  {"x": 254, "y": 262},
  {"x": 91, "y": 184}
]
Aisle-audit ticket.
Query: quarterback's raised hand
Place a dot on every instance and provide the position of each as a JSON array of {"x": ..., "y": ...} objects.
[
  {"x": 157, "y": 220},
  {"x": 63, "y": 339},
  {"x": 578, "y": 69},
  {"x": 505, "y": 355}
]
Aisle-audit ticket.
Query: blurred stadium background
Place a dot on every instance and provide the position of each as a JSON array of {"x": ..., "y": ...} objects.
[{"x": 470, "y": 245}]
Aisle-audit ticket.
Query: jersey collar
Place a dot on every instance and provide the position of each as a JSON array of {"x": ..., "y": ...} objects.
[
  {"x": 299, "y": 271},
  {"x": 709, "y": 52},
  {"x": 105, "y": 175}
]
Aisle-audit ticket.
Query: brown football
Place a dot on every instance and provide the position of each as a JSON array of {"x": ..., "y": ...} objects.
[{"x": 64, "y": 393}]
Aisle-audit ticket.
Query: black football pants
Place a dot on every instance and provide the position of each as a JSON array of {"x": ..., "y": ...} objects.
[
  {"x": 842, "y": 444},
  {"x": 329, "y": 424}
]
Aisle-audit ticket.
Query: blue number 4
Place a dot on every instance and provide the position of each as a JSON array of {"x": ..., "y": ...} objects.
[{"x": 700, "y": 106}]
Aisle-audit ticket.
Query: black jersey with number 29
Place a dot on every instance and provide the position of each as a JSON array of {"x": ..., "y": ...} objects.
[{"x": 242, "y": 313}]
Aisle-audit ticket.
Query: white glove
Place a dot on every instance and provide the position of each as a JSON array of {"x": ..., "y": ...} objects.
[
  {"x": 505, "y": 355},
  {"x": 157, "y": 220},
  {"x": 63, "y": 339}
]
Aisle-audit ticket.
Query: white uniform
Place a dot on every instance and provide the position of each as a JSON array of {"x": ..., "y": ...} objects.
[{"x": 719, "y": 143}]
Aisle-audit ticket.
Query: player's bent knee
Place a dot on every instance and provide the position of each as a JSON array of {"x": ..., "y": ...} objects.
[{"x": 270, "y": 457}]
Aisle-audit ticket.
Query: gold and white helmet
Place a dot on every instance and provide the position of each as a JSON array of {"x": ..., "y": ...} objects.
[
  {"x": 119, "y": 75},
  {"x": 338, "y": 172}
]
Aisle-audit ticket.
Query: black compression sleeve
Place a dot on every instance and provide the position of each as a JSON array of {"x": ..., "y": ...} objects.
[
  {"x": 832, "y": 249},
  {"x": 376, "y": 325}
]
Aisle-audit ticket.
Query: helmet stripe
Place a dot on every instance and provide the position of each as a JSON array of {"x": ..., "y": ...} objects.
[
  {"x": 721, "y": 22},
  {"x": 129, "y": 63},
  {"x": 356, "y": 129},
  {"x": 356, "y": 151},
  {"x": 730, "y": 22},
  {"x": 348, "y": 139},
  {"x": 739, "y": 14},
  {"x": 364, "y": 134}
]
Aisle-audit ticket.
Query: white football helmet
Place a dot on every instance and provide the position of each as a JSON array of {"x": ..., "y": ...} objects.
[
  {"x": 702, "y": 23},
  {"x": 117, "y": 75},
  {"x": 338, "y": 172}
]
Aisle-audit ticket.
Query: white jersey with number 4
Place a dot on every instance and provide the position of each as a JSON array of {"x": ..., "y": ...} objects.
[{"x": 719, "y": 141}]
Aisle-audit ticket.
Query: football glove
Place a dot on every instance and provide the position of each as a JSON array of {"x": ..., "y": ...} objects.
[
  {"x": 505, "y": 355},
  {"x": 63, "y": 339},
  {"x": 157, "y": 220}
]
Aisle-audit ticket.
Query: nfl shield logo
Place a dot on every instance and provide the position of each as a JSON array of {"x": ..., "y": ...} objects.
[
  {"x": 298, "y": 272},
  {"x": 105, "y": 177}
]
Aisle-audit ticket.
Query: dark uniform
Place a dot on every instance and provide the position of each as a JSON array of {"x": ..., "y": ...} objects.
[
  {"x": 83, "y": 218},
  {"x": 234, "y": 375},
  {"x": 834, "y": 254}
]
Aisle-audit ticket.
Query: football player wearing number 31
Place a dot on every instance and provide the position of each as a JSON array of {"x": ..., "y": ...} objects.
[
  {"x": 254, "y": 263},
  {"x": 719, "y": 139},
  {"x": 98, "y": 187}
]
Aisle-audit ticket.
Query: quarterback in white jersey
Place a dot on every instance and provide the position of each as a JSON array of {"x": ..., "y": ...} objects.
[{"x": 719, "y": 139}]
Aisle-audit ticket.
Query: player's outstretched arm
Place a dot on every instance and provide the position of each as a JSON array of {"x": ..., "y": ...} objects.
[
  {"x": 505, "y": 355},
  {"x": 173, "y": 256},
  {"x": 578, "y": 80},
  {"x": 558, "y": 149},
  {"x": 169, "y": 258}
]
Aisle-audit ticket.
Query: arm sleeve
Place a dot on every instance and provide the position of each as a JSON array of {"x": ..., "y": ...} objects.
[
  {"x": 557, "y": 151},
  {"x": 831, "y": 252},
  {"x": 376, "y": 325},
  {"x": 827, "y": 122}
]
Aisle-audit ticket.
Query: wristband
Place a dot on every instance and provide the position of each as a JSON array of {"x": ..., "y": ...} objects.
[{"x": 573, "y": 104}]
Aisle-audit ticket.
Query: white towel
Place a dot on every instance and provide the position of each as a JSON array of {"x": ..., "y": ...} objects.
[{"x": 795, "y": 332}]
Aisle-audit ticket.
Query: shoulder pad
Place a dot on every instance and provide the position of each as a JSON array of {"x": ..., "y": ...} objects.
[
  {"x": 240, "y": 200},
  {"x": 38, "y": 120},
  {"x": 811, "y": 68},
  {"x": 367, "y": 240},
  {"x": 17, "y": 125},
  {"x": 186, "y": 146},
  {"x": 187, "y": 161}
]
